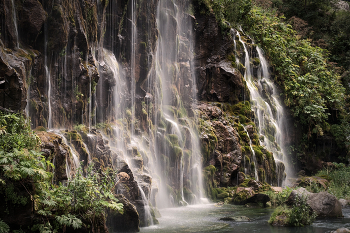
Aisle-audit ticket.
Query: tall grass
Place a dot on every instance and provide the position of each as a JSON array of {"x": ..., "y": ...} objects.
[{"x": 339, "y": 178}]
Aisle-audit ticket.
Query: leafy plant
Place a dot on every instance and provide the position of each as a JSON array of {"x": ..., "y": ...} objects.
[
  {"x": 4, "y": 228},
  {"x": 339, "y": 177},
  {"x": 300, "y": 214},
  {"x": 83, "y": 198},
  {"x": 279, "y": 198}
]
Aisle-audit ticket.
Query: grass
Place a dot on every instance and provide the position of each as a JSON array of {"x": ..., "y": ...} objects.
[{"x": 339, "y": 178}]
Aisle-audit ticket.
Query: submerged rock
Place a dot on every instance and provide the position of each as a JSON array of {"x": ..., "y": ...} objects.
[
  {"x": 236, "y": 219},
  {"x": 341, "y": 230}
]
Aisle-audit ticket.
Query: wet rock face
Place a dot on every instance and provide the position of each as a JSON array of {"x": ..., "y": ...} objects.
[
  {"x": 31, "y": 18},
  {"x": 220, "y": 143},
  {"x": 58, "y": 153},
  {"x": 126, "y": 222},
  {"x": 217, "y": 80},
  {"x": 14, "y": 66},
  {"x": 220, "y": 82}
]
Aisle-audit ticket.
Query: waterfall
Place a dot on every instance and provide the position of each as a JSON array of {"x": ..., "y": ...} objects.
[
  {"x": 269, "y": 113},
  {"x": 119, "y": 106},
  {"x": 133, "y": 65},
  {"x": 253, "y": 152},
  {"x": 14, "y": 16},
  {"x": 173, "y": 64},
  {"x": 48, "y": 80}
]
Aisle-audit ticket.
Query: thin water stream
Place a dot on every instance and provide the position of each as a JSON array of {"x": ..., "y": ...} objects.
[{"x": 206, "y": 218}]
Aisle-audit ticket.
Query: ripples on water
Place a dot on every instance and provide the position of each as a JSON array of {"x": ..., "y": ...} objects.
[{"x": 205, "y": 218}]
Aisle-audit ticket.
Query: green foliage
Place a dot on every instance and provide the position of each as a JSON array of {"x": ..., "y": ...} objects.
[
  {"x": 279, "y": 198},
  {"x": 279, "y": 211},
  {"x": 4, "y": 228},
  {"x": 311, "y": 86},
  {"x": 81, "y": 198},
  {"x": 339, "y": 177},
  {"x": 15, "y": 133},
  {"x": 226, "y": 10},
  {"x": 298, "y": 215},
  {"x": 301, "y": 214}
]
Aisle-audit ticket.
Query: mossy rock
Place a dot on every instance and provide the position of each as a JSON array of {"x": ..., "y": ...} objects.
[
  {"x": 223, "y": 195},
  {"x": 241, "y": 197}
]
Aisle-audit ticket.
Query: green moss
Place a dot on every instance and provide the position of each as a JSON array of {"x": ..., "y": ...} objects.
[
  {"x": 40, "y": 128},
  {"x": 177, "y": 151},
  {"x": 211, "y": 169},
  {"x": 214, "y": 194},
  {"x": 223, "y": 195},
  {"x": 241, "y": 197},
  {"x": 173, "y": 139},
  {"x": 261, "y": 174},
  {"x": 244, "y": 183},
  {"x": 259, "y": 155}
]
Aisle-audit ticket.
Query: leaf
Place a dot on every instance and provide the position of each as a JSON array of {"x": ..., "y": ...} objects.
[{"x": 4, "y": 228}]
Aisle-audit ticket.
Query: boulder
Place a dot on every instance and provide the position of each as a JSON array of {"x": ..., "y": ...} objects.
[
  {"x": 341, "y": 230},
  {"x": 323, "y": 203},
  {"x": 259, "y": 198},
  {"x": 242, "y": 195},
  {"x": 126, "y": 222},
  {"x": 343, "y": 202}
]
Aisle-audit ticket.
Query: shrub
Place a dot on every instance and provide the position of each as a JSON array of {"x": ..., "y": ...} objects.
[{"x": 300, "y": 214}]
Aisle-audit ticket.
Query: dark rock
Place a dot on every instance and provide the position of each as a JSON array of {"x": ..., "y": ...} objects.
[
  {"x": 31, "y": 18},
  {"x": 128, "y": 221},
  {"x": 259, "y": 198}
]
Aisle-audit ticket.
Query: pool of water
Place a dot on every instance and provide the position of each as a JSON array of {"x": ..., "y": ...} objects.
[{"x": 206, "y": 218}]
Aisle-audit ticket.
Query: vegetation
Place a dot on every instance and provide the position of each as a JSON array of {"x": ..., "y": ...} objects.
[
  {"x": 295, "y": 38},
  {"x": 82, "y": 200},
  {"x": 339, "y": 178},
  {"x": 312, "y": 88},
  {"x": 298, "y": 215},
  {"x": 279, "y": 198}
]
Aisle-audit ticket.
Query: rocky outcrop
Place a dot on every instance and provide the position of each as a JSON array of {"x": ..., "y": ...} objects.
[
  {"x": 126, "y": 222},
  {"x": 323, "y": 203},
  {"x": 225, "y": 146}
]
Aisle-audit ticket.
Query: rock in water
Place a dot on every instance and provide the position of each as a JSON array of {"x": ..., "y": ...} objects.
[
  {"x": 236, "y": 219},
  {"x": 341, "y": 230},
  {"x": 344, "y": 202},
  {"x": 323, "y": 203},
  {"x": 259, "y": 198}
]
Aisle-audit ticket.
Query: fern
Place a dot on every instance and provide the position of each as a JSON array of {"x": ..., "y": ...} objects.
[
  {"x": 69, "y": 220},
  {"x": 4, "y": 228}
]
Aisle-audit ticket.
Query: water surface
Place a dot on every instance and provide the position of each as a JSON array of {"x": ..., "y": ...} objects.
[{"x": 206, "y": 218}]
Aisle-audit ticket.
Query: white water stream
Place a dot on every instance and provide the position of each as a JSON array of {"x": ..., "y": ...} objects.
[
  {"x": 270, "y": 116},
  {"x": 15, "y": 22}
]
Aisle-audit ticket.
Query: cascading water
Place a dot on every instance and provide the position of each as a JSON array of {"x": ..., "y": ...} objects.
[
  {"x": 133, "y": 65},
  {"x": 15, "y": 22},
  {"x": 177, "y": 160},
  {"x": 48, "y": 81},
  {"x": 253, "y": 153},
  {"x": 267, "y": 108},
  {"x": 119, "y": 105}
]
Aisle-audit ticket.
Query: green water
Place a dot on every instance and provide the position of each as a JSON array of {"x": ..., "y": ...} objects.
[{"x": 206, "y": 218}]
